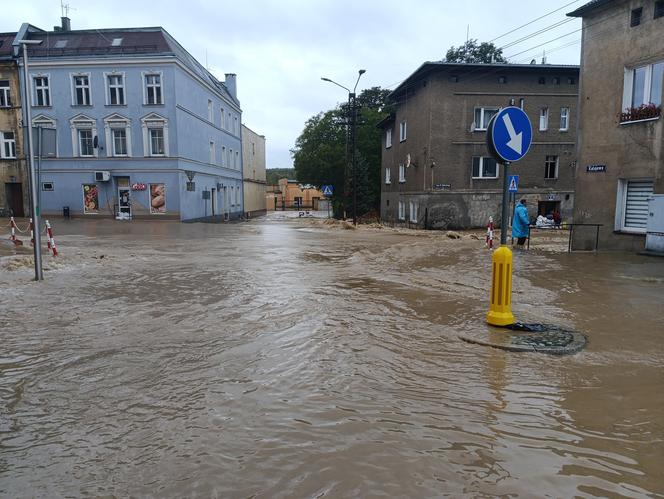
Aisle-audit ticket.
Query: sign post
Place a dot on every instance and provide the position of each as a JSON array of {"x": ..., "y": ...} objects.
[{"x": 508, "y": 139}]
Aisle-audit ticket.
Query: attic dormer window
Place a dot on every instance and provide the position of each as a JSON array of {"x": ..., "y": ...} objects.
[
  {"x": 116, "y": 42},
  {"x": 60, "y": 44}
]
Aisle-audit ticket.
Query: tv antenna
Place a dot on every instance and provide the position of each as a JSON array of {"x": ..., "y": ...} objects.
[{"x": 65, "y": 8}]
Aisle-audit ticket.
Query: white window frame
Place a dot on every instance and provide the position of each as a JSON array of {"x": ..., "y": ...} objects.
[
  {"x": 564, "y": 119},
  {"x": 402, "y": 210},
  {"x": 211, "y": 153},
  {"x": 544, "y": 119},
  {"x": 403, "y": 131},
  {"x": 628, "y": 86},
  {"x": 117, "y": 122},
  {"x": 45, "y": 89},
  {"x": 109, "y": 88},
  {"x": 74, "y": 87},
  {"x": 210, "y": 111},
  {"x": 144, "y": 76},
  {"x": 621, "y": 205},
  {"x": 154, "y": 120},
  {"x": 78, "y": 123},
  {"x": 412, "y": 211},
  {"x": 222, "y": 114},
  {"x": 224, "y": 161},
  {"x": 481, "y": 169},
  {"x": 402, "y": 173},
  {"x": 388, "y": 175},
  {"x": 484, "y": 122},
  {"x": 7, "y": 143},
  {"x": 6, "y": 95},
  {"x": 388, "y": 138},
  {"x": 237, "y": 160},
  {"x": 236, "y": 127},
  {"x": 44, "y": 121},
  {"x": 547, "y": 164}
]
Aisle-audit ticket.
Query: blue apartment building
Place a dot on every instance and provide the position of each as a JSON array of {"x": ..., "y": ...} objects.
[{"x": 142, "y": 129}]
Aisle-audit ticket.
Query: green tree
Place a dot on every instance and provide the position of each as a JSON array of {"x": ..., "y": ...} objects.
[
  {"x": 472, "y": 52},
  {"x": 320, "y": 152},
  {"x": 272, "y": 175}
]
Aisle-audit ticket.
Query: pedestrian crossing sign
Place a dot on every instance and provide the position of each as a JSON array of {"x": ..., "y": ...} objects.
[
  {"x": 513, "y": 183},
  {"x": 327, "y": 190}
]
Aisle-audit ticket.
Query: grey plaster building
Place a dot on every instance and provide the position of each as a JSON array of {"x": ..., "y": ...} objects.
[
  {"x": 621, "y": 144},
  {"x": 436, "y": 169}
]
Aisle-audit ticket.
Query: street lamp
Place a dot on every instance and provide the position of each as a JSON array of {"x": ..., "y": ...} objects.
[
  {"x": 36, "y": 229},
  {"x": 352, "y": 109}
]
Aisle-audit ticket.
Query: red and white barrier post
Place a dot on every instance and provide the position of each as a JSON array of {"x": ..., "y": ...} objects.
[
  {"x": 50, "y": 239},
  {"x": 12, "y": 224},
  {"x": 489, "y": 234}
]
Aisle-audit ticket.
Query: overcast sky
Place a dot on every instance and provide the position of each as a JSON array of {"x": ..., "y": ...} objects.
[{"x": 280, "y": 49}]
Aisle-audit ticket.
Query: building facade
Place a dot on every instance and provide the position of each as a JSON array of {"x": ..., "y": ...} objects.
[
  {"x": 14, "y": 186},
  {"x": 253, "y": 166},
  {"x": 621, "y": 143},
  {"x": 291, "y": 195},
  {"x": 437, "y": 172},
  {"x": 142, "y": 129}
]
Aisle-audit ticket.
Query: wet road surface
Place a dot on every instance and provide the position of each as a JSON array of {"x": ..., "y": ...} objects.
[{"x": 294, "y": 359}]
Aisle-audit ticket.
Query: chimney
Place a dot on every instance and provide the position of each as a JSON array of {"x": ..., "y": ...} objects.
[
  {"x": 66, "y": 24},
  {"x": 231, "y": 84}
]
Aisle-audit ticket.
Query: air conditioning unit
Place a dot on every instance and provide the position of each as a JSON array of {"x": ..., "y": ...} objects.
[{"x": 102, "y": 176}]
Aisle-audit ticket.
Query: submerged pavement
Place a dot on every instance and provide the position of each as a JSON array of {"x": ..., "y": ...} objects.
[{"x": 291, "y": 358}]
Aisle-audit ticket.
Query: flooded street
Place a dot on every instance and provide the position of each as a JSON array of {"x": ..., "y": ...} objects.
[{"x": 281, "y": 358}]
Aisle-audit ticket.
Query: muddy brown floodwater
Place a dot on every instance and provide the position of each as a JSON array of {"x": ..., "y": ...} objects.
[{"x": 296, "y": 359}]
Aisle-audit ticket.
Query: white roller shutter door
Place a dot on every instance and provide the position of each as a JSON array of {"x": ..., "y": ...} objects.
[{"x": 636, "y": 203}]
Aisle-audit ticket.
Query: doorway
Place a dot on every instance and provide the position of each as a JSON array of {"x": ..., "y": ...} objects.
[
  {"x": 14, "y": 196},
  {"x": 545, "y": 208}
]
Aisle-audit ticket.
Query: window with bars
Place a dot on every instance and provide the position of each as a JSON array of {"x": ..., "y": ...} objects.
[{"x": 635, "y": 17}]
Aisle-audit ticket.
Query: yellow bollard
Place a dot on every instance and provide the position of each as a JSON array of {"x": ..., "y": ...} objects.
[{"x": 500, "y": 311}]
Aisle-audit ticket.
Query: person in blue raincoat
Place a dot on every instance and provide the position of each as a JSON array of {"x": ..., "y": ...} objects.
[{"x": 520, "y": 223}]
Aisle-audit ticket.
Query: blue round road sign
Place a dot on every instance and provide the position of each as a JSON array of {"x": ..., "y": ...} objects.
[{"x": 509, "y": 135}]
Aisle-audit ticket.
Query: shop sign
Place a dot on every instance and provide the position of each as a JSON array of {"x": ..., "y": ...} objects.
[
  {"x": 596, "y": 168},
  {"x": 442, "y": 186},
  {"x": 139, "y": 187}
]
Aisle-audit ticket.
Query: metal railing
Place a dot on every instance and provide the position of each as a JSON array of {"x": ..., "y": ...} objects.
[{"x": 570, "y": 229}]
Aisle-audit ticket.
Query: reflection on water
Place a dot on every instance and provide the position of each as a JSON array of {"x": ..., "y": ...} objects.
[{"x": 262, "y": 360}]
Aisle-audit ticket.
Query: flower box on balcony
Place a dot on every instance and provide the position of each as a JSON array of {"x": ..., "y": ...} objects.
[{"x": 641, "y": 113}]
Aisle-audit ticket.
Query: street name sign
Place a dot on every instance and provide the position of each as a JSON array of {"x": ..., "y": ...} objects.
[
  {"x": 509, "y": 135},
  {"x": 513, "y": 183},
  {"x": 328, "y": 190}
]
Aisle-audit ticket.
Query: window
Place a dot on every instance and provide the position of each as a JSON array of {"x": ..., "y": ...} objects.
[
  {"x": 388, "y": 138},
  {"x": 153, "y": 93},
  {"x": 229, "y": 152},
  {"x": 47, "y": 186},
  {"x": 454, "y": 79},
  {"x": 155, "y": 135},
  {"x": 210, "y": 112},
  {"x": 116, "y": 42},
  {"x": 118, "y": 136},
  {"x": 413, "y": 212},
  {"x": 551, "y": 167},
  {"x": 544, "y": 119},
  {"x": 482, "y": 117},
  {"x": 635, "y": 18},
  {"x": 659, "y": 9},
  {"x": 230, "y": 159},
  {"x": 556, "y": 80},
  {"x": 60, "y": 44},
  {"x": 571, "y": 80},
  {"x": 42, "y": 91},
  {"x": 484, "y": 167},
  {"x": 84, "y": 131},
  {"x": 402, "y": 173},
  {"x": 643, "y": 85},
  {"x": 223, "y": 118},
  {"x": 85, "y": 144},
  {"x": 81, "y": 90},
  {"x": 564, "y": 118},
  {"x": 8, "y": 141},
  {"x": 223, "y": 156},
  {"x": 236, "y": 128},
  {"x": 522, "y": 103},
  {"x": 502, "y": 79},
  {"x": 5, "y": 94},
  {"x": 632, "y": 204},
  {"x": 211, "y": 153},
  {"x": 402, "y": 210},
  {"x": 388, "y": 175},
  {"x": 116, "y": 93},
  {"x": 402, "y": 131},
  {"x": 541, "y": 80},
  {"x": 237, "y": 159}
]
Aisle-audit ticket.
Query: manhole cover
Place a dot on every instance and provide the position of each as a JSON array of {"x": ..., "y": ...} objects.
[{"x": 543, "y": 338}]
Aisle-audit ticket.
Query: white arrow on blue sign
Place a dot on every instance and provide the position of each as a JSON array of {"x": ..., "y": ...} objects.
[
  {"x": 327, "y": 190},
  {"x": 513, "y": 183},
  {"x": 509, "y": 135}
]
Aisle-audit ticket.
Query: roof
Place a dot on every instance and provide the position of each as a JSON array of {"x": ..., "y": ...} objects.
[
  {"x": 6, "y": 40},
  {"x": 121, "y": 42},
  {"x": 435, "y": 66},
  {"x": 589, "y": 7}
]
